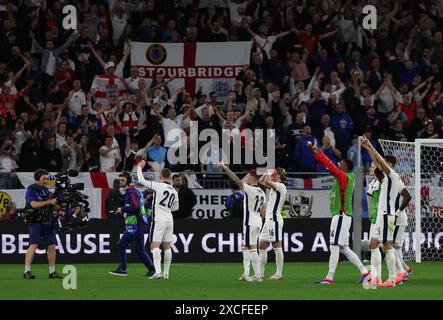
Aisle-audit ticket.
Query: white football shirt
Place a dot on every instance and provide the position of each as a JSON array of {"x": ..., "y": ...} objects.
[
  {"x": 165, "y": 198},
  {"x": 253, "y": 201},
  {"x": 276, "y": 199},
  {"x": 389, "y": 190}
]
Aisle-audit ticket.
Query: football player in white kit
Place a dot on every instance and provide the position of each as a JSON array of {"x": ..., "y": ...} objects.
[
  {"x": 253, "y": 202},
  {"x": 390, "y": 188},
  {"x": 272, "y": 231},
  {"x": 162, "y": 224}
]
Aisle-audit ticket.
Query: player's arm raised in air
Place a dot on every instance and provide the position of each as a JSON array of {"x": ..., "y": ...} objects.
[
  {"x": 231, "y": 174},
  {"x": 325, "y": 162},
  {"x": 375, "y": 156},
  {"x": 141, "y": 179},
  {"x": 269, "y": 183}
]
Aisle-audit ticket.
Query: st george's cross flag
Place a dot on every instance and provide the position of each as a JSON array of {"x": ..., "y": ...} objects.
[{"x": 212, "y": 65}]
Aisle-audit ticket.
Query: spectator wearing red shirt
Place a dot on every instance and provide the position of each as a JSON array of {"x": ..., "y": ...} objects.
[
  {"x": 309, "y": 40},
  {"x": 64, "y": 77}
]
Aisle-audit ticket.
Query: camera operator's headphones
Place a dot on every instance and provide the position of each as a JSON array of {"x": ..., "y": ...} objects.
[{"x": 126, "y": 175}]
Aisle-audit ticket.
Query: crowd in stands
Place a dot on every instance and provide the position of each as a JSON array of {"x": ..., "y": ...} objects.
[{"x": 314, "y": 75}]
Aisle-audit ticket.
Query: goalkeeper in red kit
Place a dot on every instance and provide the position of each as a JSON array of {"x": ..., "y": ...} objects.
[{"x": 341, "y": 210}]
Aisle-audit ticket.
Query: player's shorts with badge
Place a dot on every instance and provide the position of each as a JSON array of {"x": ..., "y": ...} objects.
[
  {"x": 385, "y": 228},
  {"x": 251, "y": 234},
  {"x": 272, "y": 231},
  {"x": 161, "y": 231},
  {"x": 339, "y": 230}
]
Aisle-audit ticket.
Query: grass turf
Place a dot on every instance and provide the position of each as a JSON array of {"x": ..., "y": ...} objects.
[{"x": 215, "y": 281}]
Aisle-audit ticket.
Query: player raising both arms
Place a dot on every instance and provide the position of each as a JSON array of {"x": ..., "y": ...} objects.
[
  {"x": 391, "y": 187},
  {"x": 341, "y": 210},
  {"x": 272, "y": 231},
  {"x": 252, "y": 206},
  {"x": 162, "y": 225}
]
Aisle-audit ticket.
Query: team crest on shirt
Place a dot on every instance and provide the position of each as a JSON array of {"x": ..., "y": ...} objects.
[
  {"x": 156, "y": 54},
  {"x": 301, "y": 205}
]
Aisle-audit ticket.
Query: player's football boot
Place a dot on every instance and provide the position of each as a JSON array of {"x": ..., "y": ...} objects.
[
  {"x": 119, "y": 272},
  {"x": 374, "y": 283},
  {"x": 409, "y": 272},
  {"x": 156, "y": 276},
  {"x": 28, "y": 275},
  {"x": 150, "y": 274},
  {"x": 275, "y": 277},
  {"x": 363, "y": 277},
  {"x": 259, "y": 278},
  {"x": 400, "y": 278},
  {"x": 251, "y": 279},
  {"x": 387, "y": 283},
  {"x": 243, "y": 277},
  {"x": 325, "y": 281},
  {"x": 55, "y": 275}
]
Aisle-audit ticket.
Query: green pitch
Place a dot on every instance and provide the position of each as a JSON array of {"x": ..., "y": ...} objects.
[{"x": 215, "y": 281}]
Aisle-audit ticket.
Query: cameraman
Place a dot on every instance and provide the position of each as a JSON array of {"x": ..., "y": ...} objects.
[
  {"x": 136, "y": 219},
  {"x": 40, "y": 200}
]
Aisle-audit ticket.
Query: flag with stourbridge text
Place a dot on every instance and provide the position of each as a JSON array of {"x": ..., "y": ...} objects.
[{"x": 212, "y": 65}]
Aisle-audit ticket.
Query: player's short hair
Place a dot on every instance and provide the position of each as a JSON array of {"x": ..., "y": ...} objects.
[
  {"x": 349, "y": 164},
  {"x": 39, "y": 173},
  {"x": 233, "y": 186},
  {"x": 165, "y": 173},
  {"x": 176, "y": 176},
  {"x": 281, "y": 172},
  {"x": 378, "y": 173},
  {"x": 253, "y": 173},
  {"x": 391, "y": 159},
  {"x": 127, "y": 175}
]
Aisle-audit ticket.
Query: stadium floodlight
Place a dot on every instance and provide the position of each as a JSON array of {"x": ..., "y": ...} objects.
[{"x": 420, "y": 165}]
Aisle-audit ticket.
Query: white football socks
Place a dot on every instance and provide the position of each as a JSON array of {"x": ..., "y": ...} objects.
[
  {"x": 400, "y": 256},
  {"x": 263, "y": 258},
  {"x": 157, "y": 255},
  {"x": 27, "y": 268},
  {"x": 333, "y": 260},
  {"x": 246, "y": 261},
  {"x": 279, "y": 259},
  {"x": 352, "y": 256},
  {"x": 391, "y": 262},
  {"x": 255, "y": 261},
  {"x": 376, "y": 263},
  {"x": 167, "y": 260}
]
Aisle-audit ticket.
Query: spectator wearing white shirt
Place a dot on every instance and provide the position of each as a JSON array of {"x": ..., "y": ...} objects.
[
  {"x": 171, "y": 124},
  {"x": 20, "y": 135},
  {"x": 133, "y": 81},
  {"x": 60, "y": 135},
  {"x": 77, "y": 98},
  {"x": 264, "y": 40},
  {"x": 109, "y": 156},
  {"x": 119, "y": 21}
]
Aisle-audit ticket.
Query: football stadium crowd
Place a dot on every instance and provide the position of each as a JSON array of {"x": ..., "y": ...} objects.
[{"x": 314, "y": 74}]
